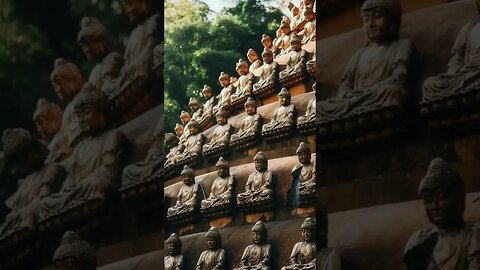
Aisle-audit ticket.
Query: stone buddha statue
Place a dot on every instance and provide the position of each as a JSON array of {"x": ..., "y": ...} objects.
[
  {"x": 250, "y": 123},
  {"x": 185, "y": 118},
  {"x": 208, "y": 106},
  {"x": 95, "y": 43},
  {"x": 283, "y": 41},
  {"x": 305, "y": 171},
  {"x": 224, "y": 98},
  {"x": 310, "y": 112},
  {"x": 283, "y": 115},
  {"x": 74, "y": 253},
  {"x": 463, "y": 73},
  {"x": 245, "y": 82},
  {"x": 267, "y": 42},
  {"x": 193, "y": 143},
  {"x": 310, "y": 29},
  {"x": 295, "y": 63},
  {"x": 174, "y": 259},
  {"x": 268, "y": 75},
  {"x": 187, "y": 198},
  {"x": 175, "y": 150},
  {"x": 376, "y": 75},
  {"x": 296, "y": 16},
  {"x": 257, "y": 256},
  {"x": 221, "y": 190},
  {"x": 25, "y": 156},
  {"x": 451, "y": 243},
  {"x": 47, "y": 118},
  {"x": 180, "y": 132},
  {"x": 195, "y": 107},
  {"x": 259, "y": 183},
  {"x": 95, "y": 166},
  {"x": 220, "y": 137},
  {"x": 214, "y": 257},
  {"x": 304, "y": 253},
  {"x": 252, "y": 57}
]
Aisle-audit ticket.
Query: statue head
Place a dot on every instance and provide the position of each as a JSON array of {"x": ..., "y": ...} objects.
[
  {"x": 224, "y": 79},
  {"x": 193, "y": 104},
  {"x": 284, "y": 97},
  {"x": 267, "y": 56},
  {"x": 308, "y": 229},
  {"x": 74, "y": 254},
  {"x": 381, "y": 20},
  {"x": 47, "y": 118},
  {"x": 93, "y": 39},
  {"x": 259, "y": 233},
  {"x": 261, "y": 162},
  {"x": 286, "y": 20},
  {"x": 250, "y": 106},
  {"x": 296, "y": 43},
  {"x": 66, "y": 79},
  {"x": 173, "y": 244},
  {"x": 213, "y": 239},
  {"x": 308, "y": 13},
  {"x": 285, "y": 28},
  {"x": 304, "y": 153},
  {"x": 221, "y": 117},
  {"x": 179, "y": 130},
  {"x": 185, "y": 117},
  {"x": 171, "y": 139},
  {"x": 252, "y": 55},
  {"x": 192, "y": 127},
  {"x": 137, "y": 10},
  {"x": 223, "y": 169},
  {"x": 158, "y": 56},
  {"x": 91, "y": 109},
  {"x": 295, "y": 11},
  {"x": 188, "y": 175},
  {"x": 207, "y": 92},
  {"x": 443, "y": 194},
  {"x": 241, "y": 67},
  {"x": 266, "y": 41}
]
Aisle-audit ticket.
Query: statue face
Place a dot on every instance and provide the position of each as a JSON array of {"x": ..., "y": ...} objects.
[
  {"x": 192, "y": 129},
  {"x": 296, "y": 45},
  {"x": 194, "y": 107},
  {"x": 46, "y": 129},
  {"x": 242, "y": 69},
  {"x": 304, "y": 157},
  {"x": 207, "y": 94},
  {"x": 136, "y": 10},
  {"x": 222, "y": 171},
  {"x": 64, "y": 88},
  {"x": 307, "y": 234},
  {"x": 188, "y": 179},
  {"x": 267, "y": 58},
  {"x": 91, "y": 120},
  {"x": 221, "y": 120},
  {"x": 267, "y": 43},
  {"x": 179, "y": 131},
  {"x": 257, "y": 237},
  {"x": 185, "y": 118},
  {"x": 284, "y": 100},
  {"x": 171, "y": 249},
  {"x": 211, "y": 243},
  {"x": 442, "y": 207},
  {"x": 250, "y": 109},
  {"x": 93, "y": 48},
  {"x": 376, "y": 24},
  {"x": 252, "y": 57},
  {"x": 224, "y": 81},
  {"x": 260, "y": 165}
]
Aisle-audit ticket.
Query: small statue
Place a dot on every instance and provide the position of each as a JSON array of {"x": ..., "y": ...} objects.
[
  {"x": 252, "y": 57},
  {"x": 221, "y": 190},
  {"x": 224, "y": 98},
  {"x": 74, "y": 253},
  {"x": 187, "y": 198},
  {"x": 266, "y": 42},
  {"x": 451, "y": 243},
  {"x": 179, "y": 131},
  {"x": 304, "y": 253},
  {"x": 257, "y": 256},
  {"x": 195, "y": 107},
  {"x": 310, "y": 29},
  {"x": 95, "y": 43},
  {"x": 284, "y": 41},
  {"x": 193, "y": 143},
  {"x": 376, "y": 76},
  {"x": 282, "y": 117},
  {"x": 174, "y": 259},
  {"x": 185, "y": 119},
  {"x": 48, "y": 119},
  {"x": 158, "y": 60},
  {"x": 175, "y": 150},
  {"x": 214, "y": 257},
  {"x": 310, "y": 112},
  {"x": 245, "y": 82},
  {"x": 295, "y": 64},
  {"x": 220, "y": 137},
  {"x": 259, "y": 183},
  {"x": 307, "y": 171},
  {"x": 95, "y": 165},
  {"x": 250, "y": 123},
  {"x": 268, "y": 76},
  {"x": 208, "y": 107},
  {"x": 295, "y": 15}
]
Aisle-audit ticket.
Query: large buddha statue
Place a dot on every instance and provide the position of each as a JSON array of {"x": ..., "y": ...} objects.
[
  {"x": 245, "y": 82},
  {"x": 376, "y": 75},
  {"x": 257, "y": 256},
  {"x": 293, "y": 72},
  {"x": 48, "y": 119},
  {"x": 252, "y": 57},
  {"x": 250, "y": 126},
  {"x": 259, "y": 184},
  {"x": 304, "y": 253},
  {"x": 187, "y": 198},
  {"x": 268, "y": 76},
  {"x": 220, "y": 137},
  {"x": 95, "y": 165},
  {"x": 195, "y": 107},
  {"x": 214, "y": 257},
  {"x": 309, "y": 31},
  {"x": 282, "y": 118},
  {"x": 25, "y": 156},
  {"x": 174, "y": 259},
  {"x": 451, "y": 243},
  {"x": 74, "y": 253},
  {"x": 95, "y": 43},
  {"x": 221, "y": 190},
  {"x": 463, "y": 73},
  {"x": 193, "y": 143},
  {"x": 224, "y": 98},
  {"x": 305, "y": 171}
]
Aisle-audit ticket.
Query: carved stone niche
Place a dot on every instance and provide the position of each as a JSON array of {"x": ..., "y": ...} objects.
[
  {"x": 249, "y": 131},
  {"x": 294, "y": 73},
  {"x": 283, "y": 119},
  {"x": 306, "y": 123},
  {"x": 219, "y": 139}
]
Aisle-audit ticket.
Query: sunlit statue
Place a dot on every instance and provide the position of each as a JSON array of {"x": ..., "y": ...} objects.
[
  {"x": 175, "y": 150},
  {"x": 174, "y": 259},
  {"x": 95, "y": 167},
  {"x": 257, "y": 256},
  {"x": 463, "y": 73},
  {"x": 304, "y": 253},
  {"x": 180, "y": 132},
  {"x": 283, "y": 43},
  {"x": 187, "y": 198},
  {"x": 451, "y": 243},
  {"x": 295, "y": 15},
  {"x": 268, "y": 76},
  {"x": 245, "y": 82},
  {"x": 267, "y": 43},
  {"x": 259, "y": 184},
  {"x": 305, "y": 171},
  {"x": 214, "y": 257},
  {"x": 220, "y": 137},
  {"x": 376, "y": 76},
  {"x": 309, "y": 31},
  {"x": 185, "y": 119},
  {"x": 252, "y": 57},
  {"x": 282, "y": 118},
  {"x": 250, "y": 127},
  {"x": 193, "y": 144},
  {"x": 293, "y": 72},
  {"x": 195, "y": 107},
  {"x": 48, "y": 119},
  {"x": 208, "y": 107},
  {"x": 310, "y": 113},
  {"x": 25, "y": 156},
  {"x": 74, "y": 253},
  {"x": 221, "y": 190},
  {"x": 224, "y": 98},
  {"x": 95, "y": 43}
]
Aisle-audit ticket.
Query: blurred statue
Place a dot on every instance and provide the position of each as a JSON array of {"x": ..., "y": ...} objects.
[
  {"x": 74, "y": 253},
  {"x": 252, "y": 57},
  {"x": 48, "y": 119},
  {"x": 257, "y": 256},
  {"x": 221, "y": 190},
  {"x": 214, "y": 257},
  {"x": 220, "y": 137},
  {"x": 175, "y": 150},
  {"x": 174, "y": 259},
  {"x": 179, "y": 131},
  {"x": 304, "y": 253},
  {"x": 266, "y": 42},
  {"x": 310, "y": 29},
  {"x": 187, "y": 198},
  {"x": 295, "y": 15},
  {"x": 250, "y": 123},
  {"x": 195, "y": 107},
  {"x": 259, "y": 183},
  {"x": 268, "y": 76}
]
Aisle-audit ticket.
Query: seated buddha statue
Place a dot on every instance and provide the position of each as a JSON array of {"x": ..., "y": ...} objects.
[
  {"x": 259, "y": 184},
  {"x": 305, "y": 171},
  {"x": 250, "y": 126},
  {"x": 187, "y": 198},
  {"x": 295, "y": 64},
  {"x": 220, "y": 137},
  {"x": 208, "y": 107},
  {"x": 304, "y": 253},
  {"x": 214, "y": 257},
  {"x": 174, "y": 259},
  {"x": 257, "y": 256},
  {"x": 224, "y": 98},
  {"x": 195, "y": 107},
  {"x": 193, "y": 143},
  {"x": 48, "y": 119},
  {"x": 268, "y": 75},
  {"x": 175, "y": 150},
  {"x": 282, "y": 117},
  {"x": 245, "y": 82},
  {"x": 310, "y": 112},
  {"x": 309, "y": 31},
  {"x": 252, "y": 57},
  {"x": 221, "y": 190}
]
